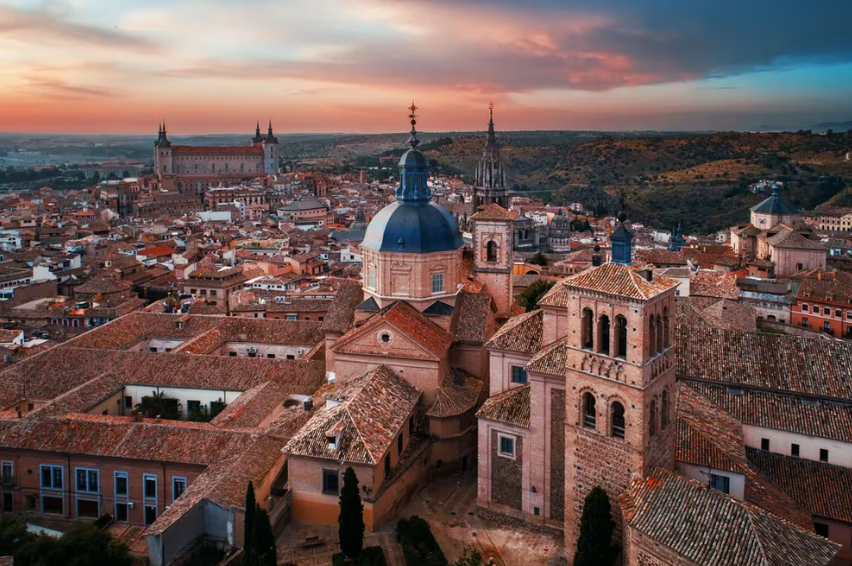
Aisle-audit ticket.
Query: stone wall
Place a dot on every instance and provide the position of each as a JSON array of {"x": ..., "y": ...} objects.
[{"x": 506, "y": 475}]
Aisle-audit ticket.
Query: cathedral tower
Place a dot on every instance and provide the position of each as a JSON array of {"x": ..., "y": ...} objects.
[
  {"x": 493, "y": 253},
  {"x": 271, "y": 152},
  {"x": 490, "y": 182},
  {"x": 163, "y": 162},
  {"x": 620, "y": 384}
]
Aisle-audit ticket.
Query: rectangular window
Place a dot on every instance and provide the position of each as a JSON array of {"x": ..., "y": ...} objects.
[
  {"x": 292, "y": 317},
  {"x": 128, "y": 402},
  {"x": 193, "y": 406},
  {"x": 399, "y": 444},
  {"x": 519, "y": 374},
  {"x": 121, "y": 511},
  {"x": 204, "y": 291},
  {"x": 121, "y": 484},
  {"x": 178, "y": 487},
  {"x": 212, "y": 292},
  {"x": 150, "y": 514},
  {"x": 410, "y": 425},
  {"x": 52, "y": 504},
  {"x": 821, "y": 529},
  {"x": 8, "y": 473},
  {"x": 804, "y": 323},
  {"x": 823, "y": 455},
  {"x": 804, "y": 308},
  {"x": 506, "y": 446},
  {"x": 387, "y": 465},
  {"x": 764, "y": 444},
  {"x": 232, "y": 354},
  {"x": 720, "y": 483},
  {"x": 816, "y": 310},
  {"x": 437, "y": 282},
  {"x": 90, "y": 508},
  {"x": 794, "y": 450},
  {"x": 8, "y": 502},
  {"x": 51, "y": 476},
  {"x": 87, "y": 480},
  {"x": 826, "y": 326},
  {"x": 838, "y": 313},
  {"x": 149, "y": 483},
  {"x": 330, "y": 481},
  {"x": 371, "y": 281},
  {"x": 270, "y": 356}
]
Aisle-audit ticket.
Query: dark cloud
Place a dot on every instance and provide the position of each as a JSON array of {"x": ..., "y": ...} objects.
[{"x": 43, "y": 25}]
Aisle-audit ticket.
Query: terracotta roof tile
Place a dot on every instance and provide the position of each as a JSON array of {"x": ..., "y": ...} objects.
[
  {"x": 459, "y": 392},
  {"x": 511, "y": 407},
  {"x": 610, "y": 279},
  {"x": 551, "y": 360},
  {"x": 493, "y": 211},
  {"x": 678, "y": 514},
  {"x": 366, "y": 414},
  {"x": 521, "y": 333}
]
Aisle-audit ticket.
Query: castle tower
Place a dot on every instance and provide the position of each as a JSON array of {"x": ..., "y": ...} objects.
[
  {"x": 490, "y": 181},
  {"x": 493, "y": 253},
  {"x": 412, "y": 248},
  {"x": 271, "y": 151},
  {"x": 163, "y": 162},
  {"x": 620, "y": 385},
  {"x": 257, "y": 139}
]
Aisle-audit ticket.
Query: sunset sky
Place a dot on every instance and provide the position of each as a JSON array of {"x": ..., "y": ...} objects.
[{"x": 215, "y": 66}]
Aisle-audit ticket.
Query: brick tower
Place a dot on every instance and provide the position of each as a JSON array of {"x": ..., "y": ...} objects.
[
  {"x": 493, "y": 253},
  {"x": 620, "y": 383}
]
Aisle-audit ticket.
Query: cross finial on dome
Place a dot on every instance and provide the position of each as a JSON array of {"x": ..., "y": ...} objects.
[{"x": 412, "y": 140}]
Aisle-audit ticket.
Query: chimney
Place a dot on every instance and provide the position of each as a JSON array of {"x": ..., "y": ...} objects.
[
  {"x": 647, "y": 274},
  {"x": 596, "y": 257}
]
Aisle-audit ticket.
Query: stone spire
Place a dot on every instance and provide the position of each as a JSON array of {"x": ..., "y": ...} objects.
[
  {"x": 257, "y": 137},
  {"x": 270, "y": 137},
  {"x": 489, "y": 179}
]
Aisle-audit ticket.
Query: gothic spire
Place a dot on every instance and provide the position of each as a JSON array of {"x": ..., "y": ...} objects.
[
  {"x": 492, "y": 138},
  {"x": 257, "y": 137}
]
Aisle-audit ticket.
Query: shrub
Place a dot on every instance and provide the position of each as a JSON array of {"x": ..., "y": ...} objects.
[
  {"x": 370, "y": 556},
  {"x": 419, "y": 547}
]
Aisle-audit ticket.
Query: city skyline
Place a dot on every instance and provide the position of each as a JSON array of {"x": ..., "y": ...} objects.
[{"x": 84, "y": 66}]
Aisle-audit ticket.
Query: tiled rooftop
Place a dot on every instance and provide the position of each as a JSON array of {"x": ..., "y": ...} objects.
[
  {"x": 511, "y": 407},
  {"x": 707, "y": 527},
  {"x": 610, "y": 279},
  {"x": 364, "y": 416},
  {"x": 459, "y": 392},
  {"x": 521, "y": 333}
]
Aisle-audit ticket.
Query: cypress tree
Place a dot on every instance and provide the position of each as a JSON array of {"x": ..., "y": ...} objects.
[
  {"x": 248, "y": 536},
  {"x": 263, "y": 540},
  {"x": 594, "y": 547},
  {"x": 351, "y": 518}
]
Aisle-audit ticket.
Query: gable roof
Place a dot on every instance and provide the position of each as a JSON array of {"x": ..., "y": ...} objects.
[
  {"x": 521, "y": 333},
  {"x": 362, "y": 417},
  {"x": 707, "y": 527},
  {"x": 790, "y": 239},
  {"x": 458, "y": 393},
  {"x": 612, "y": 279},
  {"x": 552, "y": 359},
  {"x": 409, "y": 321}
]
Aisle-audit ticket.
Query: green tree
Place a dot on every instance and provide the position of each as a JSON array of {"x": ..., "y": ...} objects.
[
  {"x": 248, "y": 525},
  {"x": 351, "y": 518},
  {"x": 263, "y": 540},
  {"x": 538, "y": 259},
  {"x": 13, "y": 534},
  {"x": 81, "y": 545},
  {"x": 594, "y": 547},
  {"x": 158, "y": 405},
  {"x": 532, "y": 295},
  {"x": 470, "y": 557}
]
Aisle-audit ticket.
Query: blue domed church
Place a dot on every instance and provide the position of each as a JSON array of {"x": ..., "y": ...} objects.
[{"x": 412, "y": 250}]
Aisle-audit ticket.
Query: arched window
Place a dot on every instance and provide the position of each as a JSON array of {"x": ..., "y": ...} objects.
[
  {"x": 666, "y": 338},
  {"x": 664, "y": 410},
  {"x": 603, "y": 339},
  {"x": 659, "y": 334},
  {"x": 652, "y": 335},
  {"x": 589, "y": 415},
  {"x": 617, "y": 420},
  {"x": 652, "y": 422},
  {"x": 620, "y": 336},
  {"x": 491, "y": 251},
  {"x": 587, "y": 339}
]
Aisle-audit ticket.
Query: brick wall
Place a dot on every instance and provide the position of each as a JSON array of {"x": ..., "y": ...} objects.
[
  {"x": 506, "y": 474},
  {"x": 557, "y": 454}
]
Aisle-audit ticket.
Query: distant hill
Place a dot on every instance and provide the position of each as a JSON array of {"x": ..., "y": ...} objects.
[{"x": 835, "y": 126}]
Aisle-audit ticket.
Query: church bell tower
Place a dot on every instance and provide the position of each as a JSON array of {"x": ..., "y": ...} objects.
[
  {"x": 620, "y": 384},
  {"x": 490, "y": 181}
]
